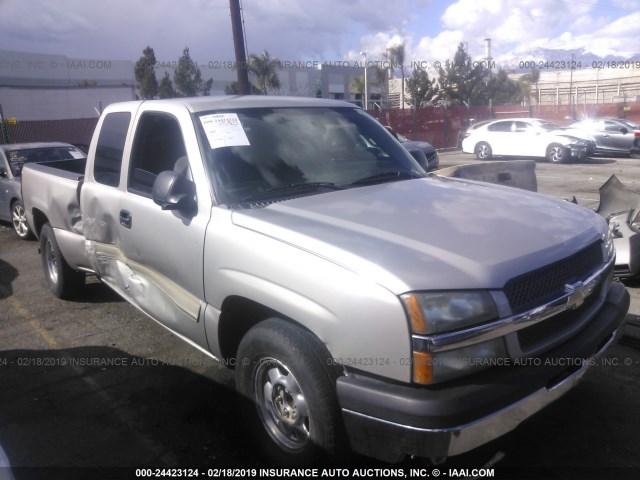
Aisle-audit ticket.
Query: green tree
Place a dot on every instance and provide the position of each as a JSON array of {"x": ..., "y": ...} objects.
[
  {"x": 234, "y": 89},
  {"x": 397, "y": 57},
  {"x": 265, "y": 68},
  {"x": 531, "y": 78},
  {"x": 502, "y": 90},
  {"x": 188, "y": 79},
  {"x": 462, "y": 81},
  {"x": 356, "y": 85},
  {"x": 421, "y": 88},
  {"x": 145, "y": 73},
  {"x": 165, "y": 89}
]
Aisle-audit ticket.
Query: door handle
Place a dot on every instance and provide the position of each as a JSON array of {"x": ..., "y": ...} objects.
[{"x": 125, "y": 218}]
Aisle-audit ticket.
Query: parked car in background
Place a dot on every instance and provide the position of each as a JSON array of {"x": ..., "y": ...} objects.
[
  {"x": 430, "y": 152},
  {"x": 612, "y": 135},
  {"x": 12, "y": 159},
  {"x": 526, "y": 137},
  {"x": 635, "y": 147},
  {"x": 463, "y": 133}
]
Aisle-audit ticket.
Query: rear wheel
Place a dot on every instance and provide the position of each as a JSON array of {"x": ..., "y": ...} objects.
[
  {"x": 63, "y": 281},
  {"x": 557, "y": 153},
  {"x": 19, "y": 220},
  {"x": 483, "y": 151},
  {"x": 286, "y": 374}
]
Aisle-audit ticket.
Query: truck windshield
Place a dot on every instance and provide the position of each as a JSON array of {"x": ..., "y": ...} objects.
[{"x": 264, "y": 154}]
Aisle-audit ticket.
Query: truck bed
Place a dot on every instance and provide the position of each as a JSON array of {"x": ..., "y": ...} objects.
[{"x": 51, "y": 194}]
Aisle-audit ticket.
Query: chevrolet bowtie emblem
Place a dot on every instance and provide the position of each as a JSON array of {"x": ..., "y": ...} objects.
[{"x": 578, "y": 292}]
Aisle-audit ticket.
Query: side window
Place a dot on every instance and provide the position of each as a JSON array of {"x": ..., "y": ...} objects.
[
  {"x": 500, "y": 127},
  {"x": 109, "y": 152},
  {"x": 158, "y": 146},
  {"x": 611, "y": 127}
]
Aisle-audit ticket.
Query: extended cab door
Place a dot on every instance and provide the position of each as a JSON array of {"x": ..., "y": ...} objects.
[{"x": 156, "y": 256}]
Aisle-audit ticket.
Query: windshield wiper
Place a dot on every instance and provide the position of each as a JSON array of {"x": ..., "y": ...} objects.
[
  {"x": 386, "y": 177},
  {"x": 293, "y": 189}
]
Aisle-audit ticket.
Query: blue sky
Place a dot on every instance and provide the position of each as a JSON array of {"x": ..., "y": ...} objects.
[{"x": 322, "y": 30}]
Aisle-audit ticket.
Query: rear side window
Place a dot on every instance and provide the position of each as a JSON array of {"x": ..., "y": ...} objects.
[
  {"x": 110, "y": 149},
  {"x": 520, "y": 127}
]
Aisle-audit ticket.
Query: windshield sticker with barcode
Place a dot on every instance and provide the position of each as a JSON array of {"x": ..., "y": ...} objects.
[{"x": 224, "y": 130}]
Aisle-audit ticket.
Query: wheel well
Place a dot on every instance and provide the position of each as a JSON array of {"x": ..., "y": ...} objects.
[
  {"x": 238, "y": 315},
  {"x": 39, "y": 219}
]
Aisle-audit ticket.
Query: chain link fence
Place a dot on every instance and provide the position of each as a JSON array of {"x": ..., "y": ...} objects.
[
  {"x": 74, "y": 131},
  {"x": 442, "y": 127}
]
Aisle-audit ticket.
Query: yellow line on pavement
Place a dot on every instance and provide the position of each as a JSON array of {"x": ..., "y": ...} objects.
[{"x": 35, "y": 324}]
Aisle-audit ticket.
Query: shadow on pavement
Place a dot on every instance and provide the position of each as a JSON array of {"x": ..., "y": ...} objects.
[
  {"x": 101, "y": 407},
  {"x": 8, "y": 274}
]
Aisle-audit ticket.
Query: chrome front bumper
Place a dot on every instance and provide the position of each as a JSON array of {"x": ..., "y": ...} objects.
[{"x": 390, "y": 422}]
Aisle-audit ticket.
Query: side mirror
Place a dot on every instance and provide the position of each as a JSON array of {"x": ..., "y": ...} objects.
[
  {"x": 173, "y": 191},
  {"x": 3, "y": 173},
  {"x": 623, "y": 130}
]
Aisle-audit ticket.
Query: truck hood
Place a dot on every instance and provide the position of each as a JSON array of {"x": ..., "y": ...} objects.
[{"x": 431, "y": 233}]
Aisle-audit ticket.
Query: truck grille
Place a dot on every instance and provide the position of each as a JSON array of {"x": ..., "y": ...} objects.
[
  {"x": 552, "y": 328},
  {"x": 540, "y": 286}
]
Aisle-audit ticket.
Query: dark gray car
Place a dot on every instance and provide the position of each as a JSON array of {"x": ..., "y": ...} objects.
[
  {"x": 417, "y": 148},
  {"x": 12, "y": 159}
]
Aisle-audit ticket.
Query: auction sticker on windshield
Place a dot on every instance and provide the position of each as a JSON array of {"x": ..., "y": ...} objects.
[{"x": 224, "y": 130}]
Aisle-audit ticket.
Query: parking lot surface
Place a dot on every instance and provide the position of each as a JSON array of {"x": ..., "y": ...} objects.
[{"x": 93, "y": 383}]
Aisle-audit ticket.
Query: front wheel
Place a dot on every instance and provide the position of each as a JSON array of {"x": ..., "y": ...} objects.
[
  {"x": 557, "y": 153},
  {"x": 19, "y": 220},
  {"x": 286, "y": 374},
  {"x": 63, "y": 280}
]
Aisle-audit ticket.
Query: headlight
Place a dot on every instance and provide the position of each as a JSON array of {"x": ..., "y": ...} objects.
[
  {"x": 433, "y": 313},
  {"x": 437, "y": 312},
  {"x": 609, "y": 249}
]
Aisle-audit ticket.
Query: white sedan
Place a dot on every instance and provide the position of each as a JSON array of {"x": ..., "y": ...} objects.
[{"x": 526, "y": 137}]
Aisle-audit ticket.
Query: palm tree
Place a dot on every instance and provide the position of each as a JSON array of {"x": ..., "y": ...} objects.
[
  {"x": 381, "y": 81},
  {"x": 265, "y": 68}
]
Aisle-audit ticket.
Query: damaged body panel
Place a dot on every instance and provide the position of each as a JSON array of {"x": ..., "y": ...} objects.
[
  {"x": 297, "y": 241},
  {"x": 620, "y": 207}
]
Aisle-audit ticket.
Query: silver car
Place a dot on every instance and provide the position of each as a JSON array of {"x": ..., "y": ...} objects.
[
  {"x": 12, "y": 158},
  {"x": 612, "y": 135}
]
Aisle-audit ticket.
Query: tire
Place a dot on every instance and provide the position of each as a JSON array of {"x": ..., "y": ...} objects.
[
  {"x": 483, "y": 151},
  {"x": 293, "y": 413},
  {"x": 557, "y": 153},
  {"x": 64, "y": 281},
  {"x": 19, "y": 221}
]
